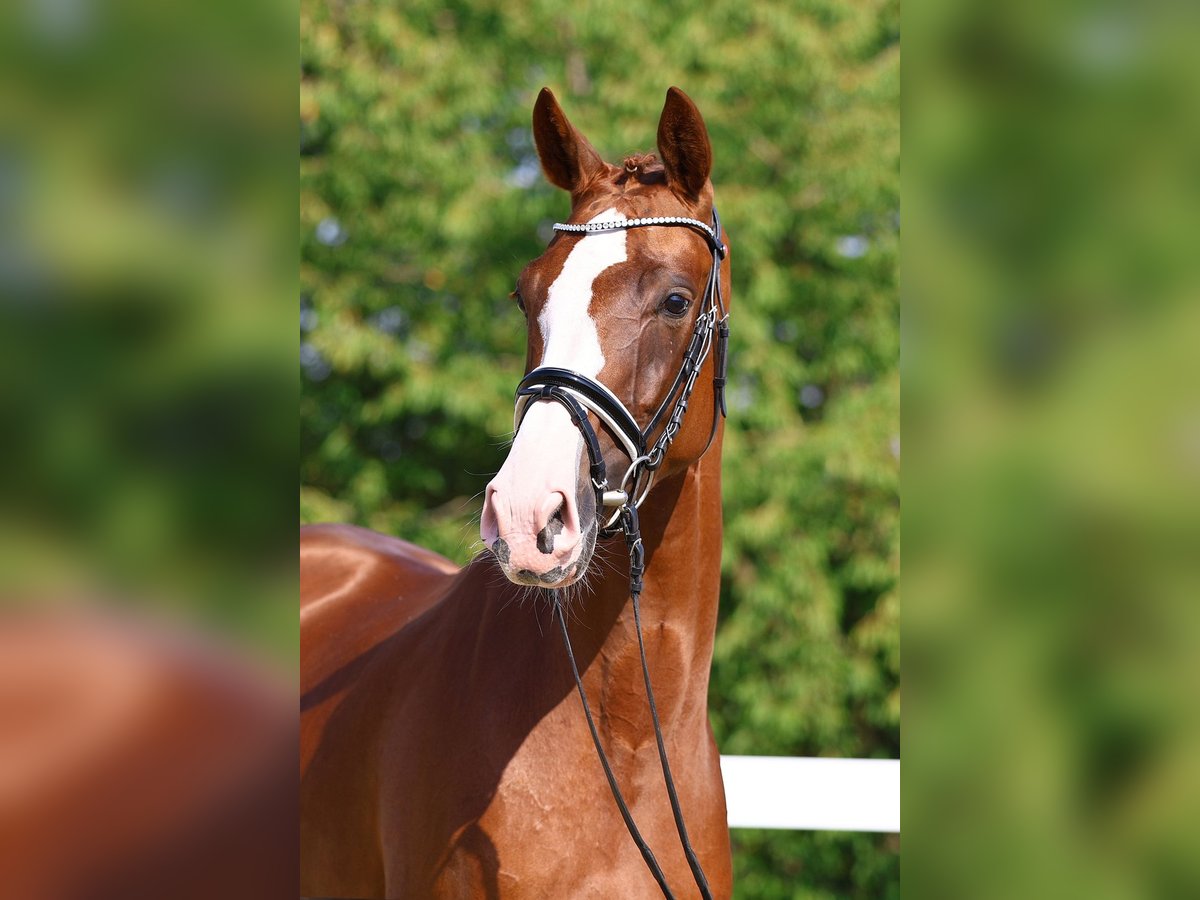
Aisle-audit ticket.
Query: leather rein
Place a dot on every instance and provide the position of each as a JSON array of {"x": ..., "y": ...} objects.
[{"x": 580, "y": 394}]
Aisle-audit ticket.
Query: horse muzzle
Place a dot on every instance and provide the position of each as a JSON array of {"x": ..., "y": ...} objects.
[{"x": 538, "y": 513}]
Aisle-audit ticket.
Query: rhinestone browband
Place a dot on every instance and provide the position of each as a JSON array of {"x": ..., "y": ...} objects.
[{"x": 589, "y": 227}]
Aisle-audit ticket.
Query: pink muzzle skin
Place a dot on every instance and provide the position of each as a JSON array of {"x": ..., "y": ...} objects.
[{"x": 530, "y": 513}]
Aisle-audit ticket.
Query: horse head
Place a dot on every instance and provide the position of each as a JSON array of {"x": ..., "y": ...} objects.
[{"x": 619, "y": 312}]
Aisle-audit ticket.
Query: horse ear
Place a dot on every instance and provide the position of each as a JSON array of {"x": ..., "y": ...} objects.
[
  {"x": 683, "y": 145},
  {"x": 567, "y": 158}
]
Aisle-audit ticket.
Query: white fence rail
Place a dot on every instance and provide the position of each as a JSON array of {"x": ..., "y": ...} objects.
[{"x": 812, "y": 794}]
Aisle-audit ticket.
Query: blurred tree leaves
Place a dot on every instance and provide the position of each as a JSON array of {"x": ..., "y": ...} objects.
[
  {"x": 145, "y": 375},
  {"x": 421, "y": 199}
]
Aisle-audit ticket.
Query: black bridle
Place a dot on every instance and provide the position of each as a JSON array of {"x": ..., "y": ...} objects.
[{"x": 581, "y": 394}]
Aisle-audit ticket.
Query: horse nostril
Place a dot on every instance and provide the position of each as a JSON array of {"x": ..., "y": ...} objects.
[
  {"x": 489, "y": 525},
  {"x": 545, "y": 538}
]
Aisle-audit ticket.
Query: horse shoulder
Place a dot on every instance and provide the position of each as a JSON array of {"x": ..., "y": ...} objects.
[
  {"x": 358, "y": 588},
  {"x": 333, "y": 556},
  {"x": 355, "y": 583},
  {"x": 376, "y": 631}
]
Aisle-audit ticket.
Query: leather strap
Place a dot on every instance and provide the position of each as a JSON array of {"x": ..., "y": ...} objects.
[
  {"x": 633, "y": 537},
  {"x": 594, "y": 391},
  {"x": 575, "y": 391}
]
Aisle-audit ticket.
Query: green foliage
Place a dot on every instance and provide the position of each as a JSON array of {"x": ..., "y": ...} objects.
[
  {"x": 146, "y": 377},
  {"x": 420, "y": 202}
]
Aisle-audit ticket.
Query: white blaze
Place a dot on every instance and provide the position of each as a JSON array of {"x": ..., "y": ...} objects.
[
  {"x": 544, "y": 460},
  {"x": 543, "y": 468},
  {"x": 569, "y": 333}
]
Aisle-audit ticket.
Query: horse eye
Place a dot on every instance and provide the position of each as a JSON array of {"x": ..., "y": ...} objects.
[
  {"x": 516, "y": 295},
  {"x": 676, "y": 305}
]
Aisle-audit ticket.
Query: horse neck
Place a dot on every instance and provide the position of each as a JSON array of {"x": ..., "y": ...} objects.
[{"x": 681, "y": 533}]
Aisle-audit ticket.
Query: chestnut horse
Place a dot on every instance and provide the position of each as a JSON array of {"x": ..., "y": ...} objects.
[{"x": 444, "y": 752}]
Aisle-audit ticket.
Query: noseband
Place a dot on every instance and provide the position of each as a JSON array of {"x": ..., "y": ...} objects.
[{"x": 581, "y": 394}]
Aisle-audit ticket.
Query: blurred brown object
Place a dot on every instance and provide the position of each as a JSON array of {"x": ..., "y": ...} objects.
[{"x": 137, "y": 761}]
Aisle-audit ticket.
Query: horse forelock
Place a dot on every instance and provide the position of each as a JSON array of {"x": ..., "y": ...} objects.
[
  {"x": 644, "y": 168},
  {"x": 638, "y": 187}
]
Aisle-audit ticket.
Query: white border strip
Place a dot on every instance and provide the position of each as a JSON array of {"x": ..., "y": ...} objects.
[{"x": 812, "y": 794}]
